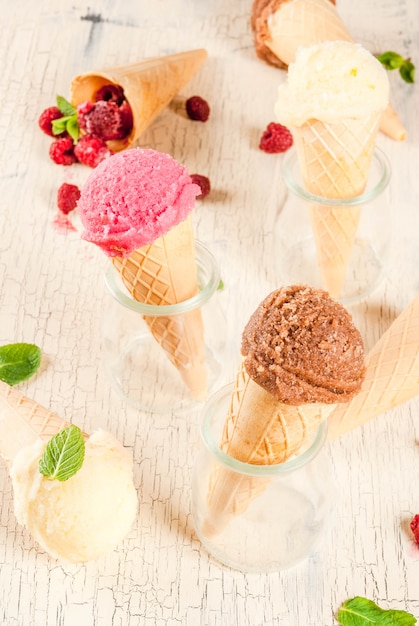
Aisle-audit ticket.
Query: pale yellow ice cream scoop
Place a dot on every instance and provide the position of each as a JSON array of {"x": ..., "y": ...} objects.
[
  {"x": 332, "y": 81},
  {"x": 84, "y": 514}
]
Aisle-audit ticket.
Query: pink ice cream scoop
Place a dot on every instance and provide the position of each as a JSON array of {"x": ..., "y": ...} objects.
[{"x": 134, "y": 197}]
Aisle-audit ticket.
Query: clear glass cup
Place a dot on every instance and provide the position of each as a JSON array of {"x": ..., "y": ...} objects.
[
  {"x": 342, "y": 246},
  {"x": 142, "y": 355},
  {"x": 281, "y": 510}
]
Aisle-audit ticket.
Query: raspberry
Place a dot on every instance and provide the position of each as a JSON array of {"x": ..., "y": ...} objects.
[
  {"x": 83, "y": 110},
  {"x": 67, "y": 197},
  {"x": 46, "y": 118},
  {"x": 62, "y": 151},
  {"x": 276, "y": 138},
  {"x": 414, "y": 526},
  {"x": 105, "y": 119},
  {"x": 126, "y": 117},
  {"x": 110, "y": 93},
  {"x": 91, "y": 150},
  {"x": 203, "y": 182},
  {"x": 197, "y": 109}
]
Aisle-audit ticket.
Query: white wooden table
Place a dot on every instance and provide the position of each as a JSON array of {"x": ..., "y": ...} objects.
[{"x": 52, "y": 294}]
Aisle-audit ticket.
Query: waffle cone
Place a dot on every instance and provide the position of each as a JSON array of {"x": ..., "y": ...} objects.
[
  {"x": 305, "y": 23},
  {"x": 23, "y": 421},
  {"x": 165, "y": 273},
  {"x": 259, "y": 431},
  {"x": 149, "y": 86},
  {"x": 335, "y": 160},
  {"x": 391, "y": 378}
]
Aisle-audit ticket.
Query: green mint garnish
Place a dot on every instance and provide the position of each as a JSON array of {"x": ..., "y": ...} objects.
[
  {"x": 68, "y": 122},
  {"x": 65, "y": 106},
  {"x": 407, "y": 71},
  {"x": 63, "y": 455},
  {"x": 18, "y": 361},
  {"x": 73, "y": 128},
  {"x": 220, "y": 285},
  {"x": 59, "y": 125},
  {"x": 363, "y": 612},
  {"x": 393, "y": 61}
]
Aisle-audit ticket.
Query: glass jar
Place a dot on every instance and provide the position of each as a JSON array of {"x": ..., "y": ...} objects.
[
  {"x": 164, "y": 358},
  {"x": 340, "y": 245},
  {"x": 275, "y": 514}
]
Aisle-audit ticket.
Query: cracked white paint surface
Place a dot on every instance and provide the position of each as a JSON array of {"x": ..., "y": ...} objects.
[{"x": 52, "y": 294}]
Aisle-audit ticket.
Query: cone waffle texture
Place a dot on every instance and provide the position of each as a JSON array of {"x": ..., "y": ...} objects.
[
  {"x": 23, "y": 421},
  {"x": 148, "y": 85},
  {"x": 165, "y": 273},
  {"x": 259, "y": 431},
  {"x": 335, "y": 160},
  {"x": 305, "y": 23},
  {"x": 392, "y": 375}
]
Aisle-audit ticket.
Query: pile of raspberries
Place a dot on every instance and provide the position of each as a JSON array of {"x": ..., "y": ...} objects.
[{"x": 108, "y": 117}]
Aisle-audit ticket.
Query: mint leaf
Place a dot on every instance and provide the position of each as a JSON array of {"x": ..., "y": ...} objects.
[
  {"x": 73, "y": 128},
  {"x": 391, "y": 60},
  {"x": 18, "y": 361},
  {"x": 363, "y": 612},
  {"x": 65, "y": 107},
  {"x": 67, "y": 123},
  {"x": 59, "y": 126},
  {"x": 407, "y": 71},
  {"x": 63, "y": 455}
]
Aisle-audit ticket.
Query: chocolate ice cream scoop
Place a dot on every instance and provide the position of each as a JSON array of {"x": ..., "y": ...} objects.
[{"x": 302, "y": 347}]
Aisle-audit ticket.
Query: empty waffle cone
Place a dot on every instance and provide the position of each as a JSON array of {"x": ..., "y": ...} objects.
[
  {"x": 259, "y": 431},
  {"x": 303, "y": 23},
  {"x": 165, "y": 273},
  {"x": 391, "y": 378},
  {"x": 148, "y": 85},
  {"x": 23, "y": 421},
  {"x": 335, "y": 160}
]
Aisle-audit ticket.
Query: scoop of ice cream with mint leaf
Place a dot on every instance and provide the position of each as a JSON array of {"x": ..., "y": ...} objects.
[{"x": 75, "y": 494}]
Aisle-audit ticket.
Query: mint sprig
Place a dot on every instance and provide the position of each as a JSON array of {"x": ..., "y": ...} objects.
[
  {"x": 407, "y": 71},
  {"x": 63, "y": 455},
  {"x": 69, "y": 121},
  {"x": 393, "y": 61},
  {"x": 18, "y": 361},
  {"x": 363, "y": 612}
]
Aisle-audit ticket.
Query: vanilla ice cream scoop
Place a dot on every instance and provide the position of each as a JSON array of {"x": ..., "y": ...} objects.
[
  {"x": 74, "y": 493},
  {"x": 331, "y": 81},
  {"x": 87, "y": 515}
]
